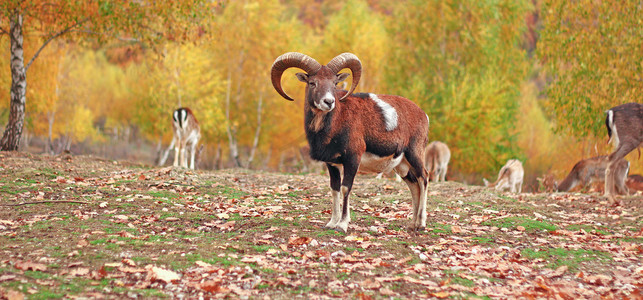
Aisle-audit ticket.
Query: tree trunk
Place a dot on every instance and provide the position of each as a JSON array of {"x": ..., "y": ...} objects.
[
  {"x": 13, "y": 131},
  {"x": 234, "y": 150},
  {"x": 255, "y": 143},
  {"x": 218, "y": 165},
  {"x": 50, "y": 141}
]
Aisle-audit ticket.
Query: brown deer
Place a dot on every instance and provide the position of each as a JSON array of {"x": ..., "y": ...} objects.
[
  {"x": 634, "y": 182},
  {"x": 625, "y": 129},
  {"x": 547, "y": 183},
  {"x": 592, "y": 170},
  {"x": 510, "y": 177},
  {"x": 436, "y": 160}
]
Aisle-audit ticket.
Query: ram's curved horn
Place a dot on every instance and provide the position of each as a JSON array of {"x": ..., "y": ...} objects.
[
  {"x": 347, "y": 60},
  {"x": 290, "y": 60}
]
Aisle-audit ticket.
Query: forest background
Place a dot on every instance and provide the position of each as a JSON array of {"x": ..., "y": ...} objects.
[{"x": 499, "y": 79}]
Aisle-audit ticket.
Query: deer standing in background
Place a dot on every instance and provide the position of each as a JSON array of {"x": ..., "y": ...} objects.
[
  {"x": 510, "y": 177},
  {"x": 588, "y": 171},
  {"x": 187, "y": 134},
  {"x": 625, "y": 129},
  {"x": 436, "y": 160},
  {"x": 634, "y": 182}
]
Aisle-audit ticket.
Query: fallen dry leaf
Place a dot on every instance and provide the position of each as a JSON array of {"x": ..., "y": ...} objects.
[
  {"x": 598, "y": 279},
  {"x": 370, "y": 284},
  {"x": 213, "y": 287},
  {"x": 128, "y": 262},
  {"x": 167, "y": 276},
  {"x": 386, "y": 292},
  {"x": 14, "y": 295},
  {"x": 7, "y": 277},
  {"x": 82, "y": 243},
  {"x": 298, "y": 241},
  {"x": 29, "y": 265},
  {"x": 79, "y": 272},
  {"x": 441, "y": 295}
]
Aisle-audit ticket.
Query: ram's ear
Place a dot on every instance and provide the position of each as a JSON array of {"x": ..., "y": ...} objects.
[
  {"x": 341, "y": 77},
  {"x": 303, "y": 77}
]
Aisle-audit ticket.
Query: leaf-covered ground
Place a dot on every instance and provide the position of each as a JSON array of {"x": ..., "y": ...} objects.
[{"x": 76, "y": 226}]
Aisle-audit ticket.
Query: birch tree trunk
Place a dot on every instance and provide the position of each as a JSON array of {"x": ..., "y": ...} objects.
[
  {"x": 255, "y": 143},
  {"x": 232, "y": 140},
  {"x": 13, "y": 131},
  {"x": 50, "y": 141}
]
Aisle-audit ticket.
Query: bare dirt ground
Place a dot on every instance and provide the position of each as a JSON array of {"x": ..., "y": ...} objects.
[{"x": 83, "y": 227}]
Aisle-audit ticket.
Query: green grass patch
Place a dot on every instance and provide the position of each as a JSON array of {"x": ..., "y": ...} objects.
[
  {"x": 637, "y": 240},
  {"x": 456, "y": 279},
  {"x": 160, "y": 195},
  {"x": 37, "y": 274},
  {"x": 440, "y": 228},
  {"x": 514, "y": 222},
  {"x": 565, "y": 257},
  {"x": 261, "y": 248},
  {"x": 46, "y": 294},
  {"x": 330, "y": 232},
  {"x": 98, "y": 241},
  {"x": 230, "y": 192},
  {"x": 482, "y": 240},
  {"x": 587, "y": 228}
]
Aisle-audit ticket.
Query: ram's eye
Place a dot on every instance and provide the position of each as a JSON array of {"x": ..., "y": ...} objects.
[{"x": 312, "y": 84}]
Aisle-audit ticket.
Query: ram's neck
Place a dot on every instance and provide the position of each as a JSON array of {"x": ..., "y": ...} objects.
[{"x": 317, "y": 121}]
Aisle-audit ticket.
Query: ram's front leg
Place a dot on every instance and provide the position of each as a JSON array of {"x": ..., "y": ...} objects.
[
  {"x": 335, "y": 183},
  {"x": 350, "y": 170}
]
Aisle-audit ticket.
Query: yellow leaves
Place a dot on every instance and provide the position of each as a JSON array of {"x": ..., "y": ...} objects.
[{"x": 81, "y": 124}]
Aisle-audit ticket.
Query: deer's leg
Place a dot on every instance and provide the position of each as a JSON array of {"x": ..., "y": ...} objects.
[
  {"x": 184, "y": 159},
  {"x": 177, "y": 151},
  {"x": 192, "y": 154},
  {"x": 335, "y": 184},
  {"x": 610, "y": 172},
  {"x": 443, "y": 175},
  {"x": 621, "y": 175}
]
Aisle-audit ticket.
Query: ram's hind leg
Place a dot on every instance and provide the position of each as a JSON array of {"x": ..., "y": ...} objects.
[{"x": 418, "y": 187}]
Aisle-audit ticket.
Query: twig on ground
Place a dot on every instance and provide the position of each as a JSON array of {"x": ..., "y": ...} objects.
[{"x": 46, "y": 201}]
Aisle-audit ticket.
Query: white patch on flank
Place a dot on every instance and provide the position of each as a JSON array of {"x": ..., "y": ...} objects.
[
  {"x": 610, "y": 121},
  {"x": 379, "y": 164},
  {"x": 389, "y": 113},
  {"x": 427, "y": 120}
]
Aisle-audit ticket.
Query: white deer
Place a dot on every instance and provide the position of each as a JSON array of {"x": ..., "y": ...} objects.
[
  {"x": 436, "y": 160},
  {"x": 510, "y": 176},
  {"x": 187, "y": 134}
]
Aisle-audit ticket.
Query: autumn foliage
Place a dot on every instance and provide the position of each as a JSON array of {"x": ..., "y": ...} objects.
[{"x": 498, "y": 79}]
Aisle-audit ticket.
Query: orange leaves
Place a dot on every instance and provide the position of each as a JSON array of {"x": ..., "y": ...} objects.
[
  {"x": 212, "y": 287},
  {"x": 298, "y": 241},
  {"x": 29, "y": 265}
]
